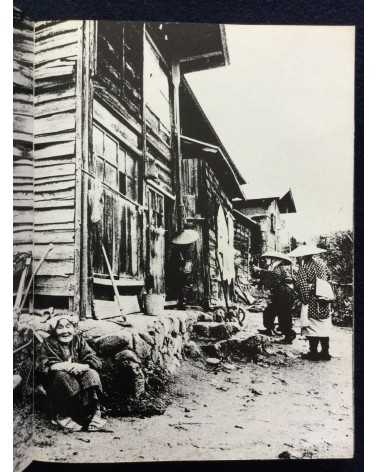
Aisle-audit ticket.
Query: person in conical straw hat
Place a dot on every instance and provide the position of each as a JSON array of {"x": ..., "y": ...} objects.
[
  {"x": 315, "y": 314},
  {"x": 276, "y": 280},
  {"x": 184, "y": 246}
]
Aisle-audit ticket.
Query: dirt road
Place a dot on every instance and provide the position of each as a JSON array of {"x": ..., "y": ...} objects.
[{"x": 248, "y": 412}]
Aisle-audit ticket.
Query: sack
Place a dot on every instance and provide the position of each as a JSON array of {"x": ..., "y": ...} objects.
[
  {"x": 324, "y": 291},
  {"x": 304, "y": 316}
]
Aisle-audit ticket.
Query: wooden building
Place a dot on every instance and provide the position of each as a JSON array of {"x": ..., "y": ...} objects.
[
  {"x": 268, "y": 213},
  {"x": 247, "y": 244},
  {"x": 23, "y": 171},
  {"x": 210, "y": 181},
  {"x": 99, "y": 153}
]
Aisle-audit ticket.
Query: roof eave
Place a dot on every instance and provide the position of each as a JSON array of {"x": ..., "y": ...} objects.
[
  {"x": 244, "y": 219},
  {"x": 287, "y": 200},
  {"x": 238, "y": 190}
]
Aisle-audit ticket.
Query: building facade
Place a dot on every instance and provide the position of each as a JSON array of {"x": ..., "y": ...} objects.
[
  {"x": 99, "y": 153},
  {"x": 269, "y": 213}
]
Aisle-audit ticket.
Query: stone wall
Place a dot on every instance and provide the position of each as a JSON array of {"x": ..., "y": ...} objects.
[{"x": 134, "y": 357}]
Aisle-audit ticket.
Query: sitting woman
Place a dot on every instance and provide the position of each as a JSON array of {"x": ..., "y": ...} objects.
[{"x": 69, "y": 369}]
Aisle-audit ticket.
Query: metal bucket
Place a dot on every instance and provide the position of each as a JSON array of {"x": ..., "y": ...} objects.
[{"x": 154, "y": 303}]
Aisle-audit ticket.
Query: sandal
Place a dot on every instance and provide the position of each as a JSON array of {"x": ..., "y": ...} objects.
[
  {"x": 97, "y": 423},
  {"x": 68, "y": 424}
]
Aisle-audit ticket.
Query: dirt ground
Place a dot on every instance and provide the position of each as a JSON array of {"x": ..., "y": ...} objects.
[{"x": 250, "y": 411}]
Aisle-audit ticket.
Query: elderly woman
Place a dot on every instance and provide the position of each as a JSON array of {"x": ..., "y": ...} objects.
[
  {"x": 319, "y": 324},
  {"x": 69, "y": 369}
]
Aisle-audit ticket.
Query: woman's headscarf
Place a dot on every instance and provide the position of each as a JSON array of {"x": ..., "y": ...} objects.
[{"x": 53, "y": 322}]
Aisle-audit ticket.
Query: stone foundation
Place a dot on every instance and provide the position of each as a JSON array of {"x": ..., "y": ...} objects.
[{"x": 138, "y": 359}]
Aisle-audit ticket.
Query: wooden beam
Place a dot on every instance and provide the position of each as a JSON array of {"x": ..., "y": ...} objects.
[
  {"x": 143, "y": 171},
  {"x": 75, "y": 300},
  {"x": 92, "y": 50},
  {"x": 176, "y": 142}
]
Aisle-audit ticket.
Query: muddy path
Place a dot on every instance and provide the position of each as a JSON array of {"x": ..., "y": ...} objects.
[{"x": 250, "y": 411}]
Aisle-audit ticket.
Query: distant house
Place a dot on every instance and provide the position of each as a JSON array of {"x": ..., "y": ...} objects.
[
  {"x": 247, "y": 237},
  {"x": 267, "y": 211}
]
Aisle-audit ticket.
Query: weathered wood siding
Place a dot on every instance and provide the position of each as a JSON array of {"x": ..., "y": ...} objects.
[
  {"x": 216, "y": 196},
  {"x": 57, "y": 47},
  {"x": 202, "y": 195},
  {"x": 191, "y": 176},
  {"x": 117, "y": 111},
  {"x": 242, "y": 243},
  {"x": 23, "y": 172}
]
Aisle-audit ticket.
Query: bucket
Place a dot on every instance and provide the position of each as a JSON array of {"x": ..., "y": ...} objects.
[{"x": 154, "y": 303}]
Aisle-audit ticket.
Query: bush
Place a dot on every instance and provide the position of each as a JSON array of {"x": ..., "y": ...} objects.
[{"x": 339, "y": 260}]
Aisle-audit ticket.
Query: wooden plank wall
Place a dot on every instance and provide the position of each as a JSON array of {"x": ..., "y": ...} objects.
[
  {"x": 242, "y": 241},
  {"x": 56, "y": 55},
  {"x": 118, "y": 109},
  {"x": 23, "y": 172},
  {"x": 215, "y": 196},
  {"x": 190, "y": 186}
]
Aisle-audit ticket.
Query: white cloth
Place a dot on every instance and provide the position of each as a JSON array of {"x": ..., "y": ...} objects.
[
  {"x": 225, "y": 244},
  {"x": 304, "y": 316},
  {"x": 96, "y": 201},
  {"x": 318, "y": 328}
]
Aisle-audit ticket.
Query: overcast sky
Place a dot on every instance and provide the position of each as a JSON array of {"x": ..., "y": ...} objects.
[{"x": 284, "y": 111}]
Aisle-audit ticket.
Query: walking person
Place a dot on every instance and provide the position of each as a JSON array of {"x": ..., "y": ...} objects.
[
  {"x": 276, "y": 280},
  {"x": 318, "y": 325},
  {"x": 68, "y": 368}
]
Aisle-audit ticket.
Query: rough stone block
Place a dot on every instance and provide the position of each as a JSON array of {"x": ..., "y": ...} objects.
[
  {"x": 205, "y": 317},
  {"x": 223, "y": 330},
  {"x": 126, "y": 357},
  {"x": 215, "y": 330},
  {"x": 110, "y": 345},
  {"x": 147, "y": 338},
  {"x": 246, "y": 348},
  {"x": 191, "y": 350},
  {"x": 175, "y": 327},
  {"x": 202, "y": 328},
  {"x": 141, "y": 348}
]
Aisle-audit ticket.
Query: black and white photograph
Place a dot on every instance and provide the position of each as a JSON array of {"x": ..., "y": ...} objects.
[{"x": 183, "y": 241}]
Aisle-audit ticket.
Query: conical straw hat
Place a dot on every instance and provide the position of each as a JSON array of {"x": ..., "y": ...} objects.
[
  {"x": 188, "y": 236},
  {"x": 277, "y": 255},
  {"x": 306, "y": 250}
]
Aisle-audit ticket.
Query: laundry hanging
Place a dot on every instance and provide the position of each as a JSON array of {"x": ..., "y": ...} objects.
[{"x": 96, "y": 201}]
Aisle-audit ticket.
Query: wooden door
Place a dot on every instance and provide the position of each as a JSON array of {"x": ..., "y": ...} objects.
[
  {"x": 198, "y": 291},
  {"x": 156, "y": 241}
]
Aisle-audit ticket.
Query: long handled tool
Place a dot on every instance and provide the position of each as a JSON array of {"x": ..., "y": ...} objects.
[
  {"x": 21, "y": 285},
  {"x": 223, "y": 285},
  {"x": 26, "y": 293},
  {"x": 115, "y": 288}
]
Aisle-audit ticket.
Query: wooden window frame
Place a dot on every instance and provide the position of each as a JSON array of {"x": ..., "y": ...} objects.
[
  {"x": 153, "y": 212},
  {"x": 117, "y": 167},
  {"x": 124, "y": 75},
  {"x": 273, "y": 223},
  {"x": 162, "y": 128}
]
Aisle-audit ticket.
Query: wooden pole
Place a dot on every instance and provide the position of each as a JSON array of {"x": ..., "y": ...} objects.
[
  {"x": 144, "y": 259},
  {"x": 86, "y": 131},
  {"x": 222, "y": 282},
  {"x": 75, "y": 301},
  {"x": 50, "y": 247},
  {"x": 176, "y": 143},
  {"x": 21, "y": 285},
  {"x": 112, "y": 279}
]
